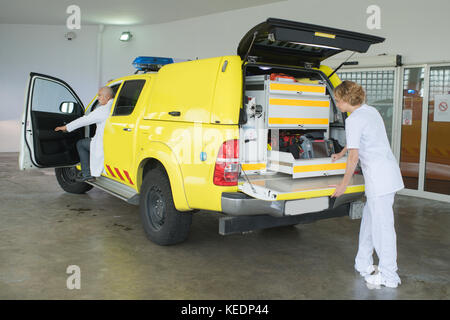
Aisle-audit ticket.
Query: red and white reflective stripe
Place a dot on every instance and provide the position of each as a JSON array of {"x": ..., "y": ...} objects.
[
  {"x": 118, "y": 174},
  {"x": 128, "y": 176},
  {"x": 110, "y": 171}
]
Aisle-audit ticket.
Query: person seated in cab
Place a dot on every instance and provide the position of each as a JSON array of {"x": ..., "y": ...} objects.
[{"x": 91, "y": 150}]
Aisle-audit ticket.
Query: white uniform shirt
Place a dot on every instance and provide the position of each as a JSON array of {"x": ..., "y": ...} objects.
[
  {"x": 99, "y": 117},
  {"x": 365, "y": 131}
]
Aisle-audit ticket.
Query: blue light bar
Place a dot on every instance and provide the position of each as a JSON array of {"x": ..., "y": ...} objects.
[{"x": 150, "y": 63}]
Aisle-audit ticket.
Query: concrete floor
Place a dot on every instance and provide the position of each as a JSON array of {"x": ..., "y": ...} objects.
[{"x": 43, "y": 230}]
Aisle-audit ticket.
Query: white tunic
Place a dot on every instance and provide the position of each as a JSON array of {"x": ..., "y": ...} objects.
[
  {"x": 365, "y": 131},
  {"x": 99, "y": 117}
]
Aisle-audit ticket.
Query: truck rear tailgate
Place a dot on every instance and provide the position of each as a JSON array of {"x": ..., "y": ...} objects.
[{"x": 279, "y": 186}]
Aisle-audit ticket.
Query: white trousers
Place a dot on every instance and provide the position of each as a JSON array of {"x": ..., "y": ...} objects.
[{"x": 378, "y": 232}]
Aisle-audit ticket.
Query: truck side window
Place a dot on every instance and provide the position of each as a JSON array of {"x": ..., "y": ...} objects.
[
  {"x": 52, "y": 97},
  {"x": 128, "y": 97}
]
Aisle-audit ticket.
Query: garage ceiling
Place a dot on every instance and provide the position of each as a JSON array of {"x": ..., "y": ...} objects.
[{"x": 116, "y": 12}]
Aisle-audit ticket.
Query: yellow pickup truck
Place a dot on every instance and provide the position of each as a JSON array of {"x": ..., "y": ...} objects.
[{"x": 248, "y": 135}]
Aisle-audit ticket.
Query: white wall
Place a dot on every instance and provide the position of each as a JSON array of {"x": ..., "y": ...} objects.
[
  {"x": 43, "y": 49},
  {"x": 418, "y": 30}
]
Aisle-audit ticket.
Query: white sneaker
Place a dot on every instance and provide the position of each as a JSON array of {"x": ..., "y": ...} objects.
[
  {"x": 370, "y": 269},
  {"x": 378, "y": 280}
]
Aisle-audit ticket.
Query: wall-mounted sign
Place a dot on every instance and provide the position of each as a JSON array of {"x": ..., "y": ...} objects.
[
  {"x": 441, "y": 108},
  {"x": 407, "y": 117}
]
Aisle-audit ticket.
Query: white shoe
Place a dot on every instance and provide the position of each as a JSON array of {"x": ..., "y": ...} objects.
[
  {"x": 370, "y": 269},
  {"x": 378, "y": 280}
]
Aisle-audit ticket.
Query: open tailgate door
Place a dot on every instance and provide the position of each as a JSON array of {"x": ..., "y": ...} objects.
[{"x": 287, "y": 42}]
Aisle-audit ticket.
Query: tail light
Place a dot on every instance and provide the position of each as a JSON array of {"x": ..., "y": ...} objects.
[{"x": 226, "y": 171}]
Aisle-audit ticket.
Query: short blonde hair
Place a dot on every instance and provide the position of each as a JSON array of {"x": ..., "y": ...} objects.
[{"x": 350, "y": 92}]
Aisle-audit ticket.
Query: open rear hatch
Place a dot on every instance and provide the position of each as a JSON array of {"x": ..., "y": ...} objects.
[{"x": 284, "y": 42}]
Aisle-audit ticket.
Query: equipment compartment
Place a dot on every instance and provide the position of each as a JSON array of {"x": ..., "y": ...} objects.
[
  {"x": 302, "y": 153},
  {"x": 288, "y": 127},
  {"x": 285, "y": 162},
  {"x": 253, "y": 141}
]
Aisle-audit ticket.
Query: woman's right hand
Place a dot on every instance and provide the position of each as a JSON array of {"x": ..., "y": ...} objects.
[{"x": 336, "y": 156}]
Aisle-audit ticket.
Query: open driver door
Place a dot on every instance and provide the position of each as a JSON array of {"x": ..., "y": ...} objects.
[{"x": 49, "y": 103}]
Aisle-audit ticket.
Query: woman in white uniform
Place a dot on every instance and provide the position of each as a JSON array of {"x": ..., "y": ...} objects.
[{"x": 367, "y": 141}]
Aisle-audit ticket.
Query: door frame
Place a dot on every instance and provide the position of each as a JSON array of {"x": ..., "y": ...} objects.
[
  {"x": 397, "y": 121},
  {"x": 420, "y": 192}
]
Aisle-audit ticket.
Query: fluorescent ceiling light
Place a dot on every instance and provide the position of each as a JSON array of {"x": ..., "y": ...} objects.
[{"x": 125, "y": 36}]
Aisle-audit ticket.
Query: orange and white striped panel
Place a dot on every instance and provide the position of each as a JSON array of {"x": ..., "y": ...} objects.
[
  {"x": 310, "y": 112},
  {"x": 319, "y": 169},
  {"x": 297, "y": 88},
  {"x": 253, "y": 166}
]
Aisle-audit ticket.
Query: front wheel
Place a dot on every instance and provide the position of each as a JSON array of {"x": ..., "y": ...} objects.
[
  {"x": 163, "y": 223},
  {"x": 66, "y": 179}
]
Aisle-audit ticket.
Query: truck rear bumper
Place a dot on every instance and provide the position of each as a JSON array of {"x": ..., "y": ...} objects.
[{"x": 241, "y": 204}]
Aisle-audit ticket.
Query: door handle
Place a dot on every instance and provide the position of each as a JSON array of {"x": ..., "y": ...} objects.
[
  {"x": 175, "y": 113},
  {"x": 127, "y": 129}
]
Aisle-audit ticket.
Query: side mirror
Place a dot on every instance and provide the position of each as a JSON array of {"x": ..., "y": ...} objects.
[{"x": 67, "y": 107}]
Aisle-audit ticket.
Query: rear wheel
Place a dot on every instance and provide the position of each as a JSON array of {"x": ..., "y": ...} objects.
[
  {"x": 163, "y": 223},
  {"x": 66, "y": 179}
]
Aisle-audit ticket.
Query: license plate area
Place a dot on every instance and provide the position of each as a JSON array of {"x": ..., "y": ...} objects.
[{"x": 302, "y": 206}]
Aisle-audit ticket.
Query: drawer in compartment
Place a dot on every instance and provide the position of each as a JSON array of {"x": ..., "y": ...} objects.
[
  {"x": 296, "y": 88},
  {"x": 284, "y": 162},
  {"x": 298, "y": 112}
]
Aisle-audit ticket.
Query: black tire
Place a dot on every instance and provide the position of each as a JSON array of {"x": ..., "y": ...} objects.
[
  {"x": 163, "y": 223},
  {"x": 66, "y": 179}
]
